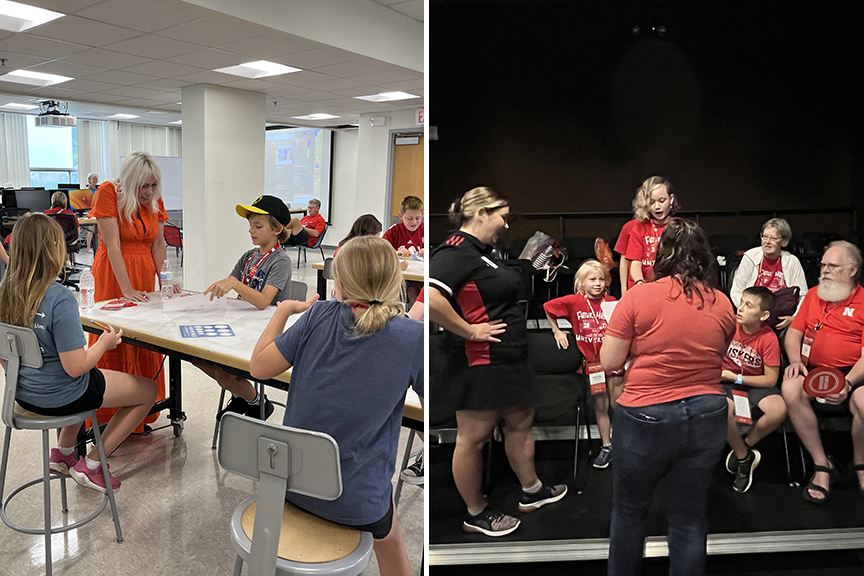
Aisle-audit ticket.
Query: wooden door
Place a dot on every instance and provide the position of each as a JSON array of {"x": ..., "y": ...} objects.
[{"x": 407, "y": 171}]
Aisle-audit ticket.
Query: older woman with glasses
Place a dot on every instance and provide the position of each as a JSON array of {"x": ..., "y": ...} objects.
[{"x": 771, "y": 266}]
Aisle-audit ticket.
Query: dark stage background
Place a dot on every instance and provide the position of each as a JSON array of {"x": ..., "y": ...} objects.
[{"x": 742, "y": 105}]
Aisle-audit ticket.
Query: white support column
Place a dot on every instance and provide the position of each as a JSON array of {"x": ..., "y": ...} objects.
[{"x": 223, "y": 165}]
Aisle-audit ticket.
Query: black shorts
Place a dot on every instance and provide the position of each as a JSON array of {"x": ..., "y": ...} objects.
[
  {"x": 299, "y": 239},
  {"x": 90, "y": 400},
  {"x": 379, "y": 529}
]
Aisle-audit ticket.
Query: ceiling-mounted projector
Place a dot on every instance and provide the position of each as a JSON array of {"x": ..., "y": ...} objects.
[{"x": 50, "y": 114}]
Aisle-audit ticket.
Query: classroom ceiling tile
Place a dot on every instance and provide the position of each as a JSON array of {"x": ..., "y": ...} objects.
[
  {"x": 18, "y": 61},
  {"x": 83, "y": 31},
  {"x": 140, "y": 14},
  {"x": 166, "y": 85},
  {"x": 209, "y": 59},
  {"x": 131, "y": 91},
  {"x": 152, "y": 46},
  {"x": 268, "y": 46},
  {"x": 206, "y": 77},
  {"x": 356, "y": 67},
  {"x": 251, "y": 84},
  {"x": 315, "y": 58},
  {"x": 381, "y": 78},
  {"x": 63, "y": 6},
  {"x": 120, "y": 77},
  {"x": 335, "y": 84},
  {"x": 87, "y": 86},
  {"x": 65, "y": 68},
  {"x": 140, "y": 103},
  {"x": 41, "y": 47},
  {"x": 106, "y": 59},
  {"x": 211, "y": 32},
  {"x": 162, "y": 69},
  {"x": 301, "y": 78}
]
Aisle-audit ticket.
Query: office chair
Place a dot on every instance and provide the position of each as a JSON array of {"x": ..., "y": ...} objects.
[
  {"x": 317, "y": 246},
  {"x": 174, "y": 238},
  {"x": 278, "y": 538},
  {"x": 19, "y": 347}
]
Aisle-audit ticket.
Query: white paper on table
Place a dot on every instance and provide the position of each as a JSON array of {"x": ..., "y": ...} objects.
[
  {"x": 142, "y": 313},
  {"x": 238, "y": 308},
  {"x": 411, "y": 398},
  {"x": 194, "y": 302},
  {"x": 608, "y": 308}
]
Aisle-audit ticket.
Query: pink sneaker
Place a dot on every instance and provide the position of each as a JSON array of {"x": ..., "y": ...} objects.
[
  {"x": 92, "y": 478},
  {"x": 61, "y": 464}
]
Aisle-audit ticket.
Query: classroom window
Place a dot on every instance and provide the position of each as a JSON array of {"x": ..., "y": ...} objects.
[{"x": 53, "y": 154}]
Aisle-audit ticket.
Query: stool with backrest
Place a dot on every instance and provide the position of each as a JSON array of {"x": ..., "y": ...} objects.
[
  {"x": 19, "y": 347},
  {"x": 278, "y": 538},
  {"x": 316, "y": 246}
]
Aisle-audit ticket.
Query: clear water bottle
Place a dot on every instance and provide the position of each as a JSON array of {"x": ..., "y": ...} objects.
[
  {"x": 87, "y": 284},
  {"x": 167, "y": 280}
]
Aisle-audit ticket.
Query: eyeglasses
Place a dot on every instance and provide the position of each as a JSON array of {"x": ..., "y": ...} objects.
[
  {"x": 832, "y": 267},
  {"x": 770, "y": 238}
]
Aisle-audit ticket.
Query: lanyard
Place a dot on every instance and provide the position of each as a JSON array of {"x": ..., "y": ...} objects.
[
  {"x": 600, "y": 320},
  {"x": 249, "y": 273}
]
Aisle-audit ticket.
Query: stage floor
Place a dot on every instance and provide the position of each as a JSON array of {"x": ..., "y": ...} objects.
[{"x": 770, "y": 518}]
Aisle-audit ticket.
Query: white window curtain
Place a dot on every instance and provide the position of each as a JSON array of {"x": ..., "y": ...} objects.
[
  {"x": 14, "y": 155},
  {"x": 156, "y": 140},
  {"x": 93, "y": 150}
]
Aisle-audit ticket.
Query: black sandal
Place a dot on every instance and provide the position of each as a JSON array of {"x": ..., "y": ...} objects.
[
  {"x": 858, "y": 468},
  {"x": 832, "y": 476}
]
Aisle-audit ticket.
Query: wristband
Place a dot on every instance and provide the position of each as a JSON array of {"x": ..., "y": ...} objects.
[
  {"x": 640, "y": 281},
  {"x": 740, "y": 379}
]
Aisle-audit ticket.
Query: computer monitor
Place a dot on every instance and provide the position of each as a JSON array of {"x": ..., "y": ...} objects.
[
  {"x": 80, "y": 199},
  {"x": 35, "y": 200},
  {"x": 68, "y": 186},
  {"x": 9, "y": 198}
]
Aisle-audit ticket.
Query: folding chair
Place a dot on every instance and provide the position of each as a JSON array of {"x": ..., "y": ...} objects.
[{"x": 316, "y": 246}]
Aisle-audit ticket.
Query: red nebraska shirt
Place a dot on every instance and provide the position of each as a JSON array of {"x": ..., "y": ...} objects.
[
  {"x": 399, "y": 236},
  {"x": 587, "y": 319},
  {"x": 644, "y": 238},
  {"x": 748, "y": 354},
  {"x": 315, "y": 223},
  {"x": 839, "y": 341},
  {"x": 677, "y": 348},
  {"x": 770, "y": 274}
]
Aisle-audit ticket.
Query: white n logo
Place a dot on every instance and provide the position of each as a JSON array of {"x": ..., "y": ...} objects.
[{"x": 848, "y": 312}]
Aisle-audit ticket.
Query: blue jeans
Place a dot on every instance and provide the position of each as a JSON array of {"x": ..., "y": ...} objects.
[{"x": 676, "y": 444}]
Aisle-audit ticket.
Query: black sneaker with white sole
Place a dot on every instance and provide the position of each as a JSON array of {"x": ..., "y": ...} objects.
[
  {"x": 744, "y": 475},
  {"x": 413, "y": 473},
  {"x": 732, "y": 463},
  {"x": 546, "y": 495},
  {"x": 253, "y": 410},
  {"x": 237, "y": 404},
  {"x": 490, "y": 523}
]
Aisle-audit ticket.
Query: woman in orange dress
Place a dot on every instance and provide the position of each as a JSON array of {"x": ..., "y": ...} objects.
[{"x": 129, "y": 214}]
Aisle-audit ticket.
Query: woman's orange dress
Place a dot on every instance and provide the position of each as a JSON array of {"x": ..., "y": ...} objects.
[{"x": 136, "y": 239}]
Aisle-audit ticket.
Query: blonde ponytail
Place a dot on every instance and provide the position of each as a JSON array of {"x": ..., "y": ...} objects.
[{"x": 367, "y": 269}]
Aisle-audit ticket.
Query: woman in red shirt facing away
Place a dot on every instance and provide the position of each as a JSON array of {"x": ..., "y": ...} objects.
[
  {"x": 583, "y": 310},
  {"x": 653, "y": 208},
  {"x": 670, "y": 425}
]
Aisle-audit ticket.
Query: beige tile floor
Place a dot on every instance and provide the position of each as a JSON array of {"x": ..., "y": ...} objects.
[{"x": 175, "y": 502}]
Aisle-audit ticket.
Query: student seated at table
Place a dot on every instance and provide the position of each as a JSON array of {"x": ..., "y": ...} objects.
[
  {"x": 306, "y": 230},
  {"x": 261, "y": 277},
  {"x": 407, "y": 235},
  {"x": 353, "y": 360},
  {"x": 68, "y": 381},
  {"x": 752, "y": 365},
  {"x": 59, "y": 206},
  {"x": 365, "y": 225}
]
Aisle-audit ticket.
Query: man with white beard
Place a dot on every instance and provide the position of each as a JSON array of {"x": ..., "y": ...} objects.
[{"x": 828, "y": 331}]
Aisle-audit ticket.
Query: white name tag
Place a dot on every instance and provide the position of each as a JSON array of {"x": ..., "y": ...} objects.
[{"x": 742, "y": 407}]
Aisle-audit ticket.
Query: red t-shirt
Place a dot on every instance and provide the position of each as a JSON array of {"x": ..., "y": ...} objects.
[
  {"x": 644, "y": 238},
  {"x": 624, "y": 237},
  {"x": 587, "y": 319},
  {"x": 748, "y": 354},
  {"x": 677, "y": 348},
  {"x": 422, "y": 296},
  {"x": 399, "y": 236},
  {"x": 839, "y": 341},
  {"x": 315, "y": 223},
  {"x": 770, "y": 274}
]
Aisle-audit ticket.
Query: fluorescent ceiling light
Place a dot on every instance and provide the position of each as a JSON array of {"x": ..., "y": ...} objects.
[
  {"x": 387, "y": 97},
  {"x": 155, "y": 112},
  {"x": 123, "y": 116},
  {"x": 176, "y": 122},
  {"x": 17, "y": 17},
  {"x": 16, "y": 106},
  {"x": 259, "y": 69},
  {"x": 318, "y": 116},
  {"x": 34, "y": 78}
]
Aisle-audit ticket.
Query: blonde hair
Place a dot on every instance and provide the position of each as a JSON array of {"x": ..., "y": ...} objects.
[
  {"x": 583, "y": 272},
  {"x": 37, "y": 252},
  {"x": 367, "y": 270},
  {"x": 135, "y": 171},
  {"x": 464, "y": 209},
  {"x": 58, "y": 200},
  {"x": 642, "y": 201}
]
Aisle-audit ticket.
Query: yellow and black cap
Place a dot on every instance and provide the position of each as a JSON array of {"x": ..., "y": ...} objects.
[{"x": 270, "y": 205}]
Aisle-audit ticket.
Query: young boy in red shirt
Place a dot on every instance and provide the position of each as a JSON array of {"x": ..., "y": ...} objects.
[
  {"x": 751, "y": 368},
  {"x": 407, "y": 236}
]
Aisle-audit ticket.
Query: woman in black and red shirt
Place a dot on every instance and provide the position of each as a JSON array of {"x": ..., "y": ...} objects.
[{"x": 475, "y": 299}]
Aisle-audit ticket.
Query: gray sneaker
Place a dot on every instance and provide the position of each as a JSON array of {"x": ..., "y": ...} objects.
[
  {"x": 604, "y": 458},
  {"x": 744, "y": 475},
  {"x": 490, "y": 523},
  {"x": 546, "y": 495}
]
